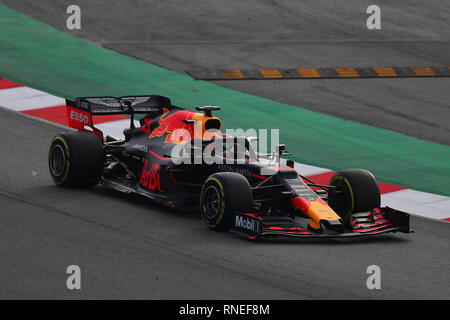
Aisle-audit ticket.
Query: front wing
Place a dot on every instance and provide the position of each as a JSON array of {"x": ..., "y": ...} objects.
[{"x": 377, "y": 221}]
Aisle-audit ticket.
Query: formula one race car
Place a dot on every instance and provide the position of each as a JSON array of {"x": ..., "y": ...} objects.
[{"x": 181, "y": 159}]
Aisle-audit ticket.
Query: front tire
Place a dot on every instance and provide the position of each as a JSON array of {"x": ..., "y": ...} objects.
[
  {"x": 76, "y": 159},
  {"x": 222, "y": 195},
  {"x": 355, "y": 190}
]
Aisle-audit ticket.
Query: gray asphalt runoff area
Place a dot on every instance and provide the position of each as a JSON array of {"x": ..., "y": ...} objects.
[
  {"x": 129, "y": 247},
  {"x": 217, "y": 34}
]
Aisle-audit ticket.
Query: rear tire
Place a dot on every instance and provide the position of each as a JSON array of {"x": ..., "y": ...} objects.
[
  {"x": 76, "y": 159},
  {"x": 356, "y": 190},
  {"x": 222, "y": 195}
]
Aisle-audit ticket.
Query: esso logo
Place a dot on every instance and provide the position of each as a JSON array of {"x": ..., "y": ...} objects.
[{"x": 84, "y": 118}]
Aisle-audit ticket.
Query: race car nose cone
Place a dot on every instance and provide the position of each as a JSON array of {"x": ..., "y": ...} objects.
[{"x": 329, "y": 227}]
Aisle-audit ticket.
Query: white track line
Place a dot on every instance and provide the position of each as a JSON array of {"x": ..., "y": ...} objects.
[
  {"x": 24, "y": 98},
  {"x": 115, "y": 128},
  {"x": 418, "y": 203}
]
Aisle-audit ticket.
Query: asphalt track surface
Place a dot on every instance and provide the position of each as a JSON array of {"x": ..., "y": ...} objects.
[
  {"x": 286, "y": 34},
  {"x": 128, "y": 247}
]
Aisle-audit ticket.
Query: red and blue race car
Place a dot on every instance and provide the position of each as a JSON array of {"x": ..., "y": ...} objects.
[{"x": 233, "y": 188}]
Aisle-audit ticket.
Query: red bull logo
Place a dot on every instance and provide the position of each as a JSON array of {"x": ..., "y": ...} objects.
[
  {"x": 174, "y": 127},
  {"x": 150, "y": 177}
]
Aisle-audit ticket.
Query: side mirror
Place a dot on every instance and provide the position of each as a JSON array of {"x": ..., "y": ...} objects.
[
  {"x": 290, "y": 163},
  {"x": 281, "y": 150}
]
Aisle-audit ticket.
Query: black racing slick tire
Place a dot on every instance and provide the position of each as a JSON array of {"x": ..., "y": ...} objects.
[
  {"x": 76, "y": 159},
  {"x": 222, "y": 195},
  {"x": 353, "y": 190}
]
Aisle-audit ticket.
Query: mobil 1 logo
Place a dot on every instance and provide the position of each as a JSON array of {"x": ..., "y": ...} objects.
[{"x": 247, "y": 224}]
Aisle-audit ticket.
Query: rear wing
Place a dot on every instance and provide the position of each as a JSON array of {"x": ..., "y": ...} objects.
[
  {"x": 120, "y": 105},
  {"x": 81, "y": 110}
]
